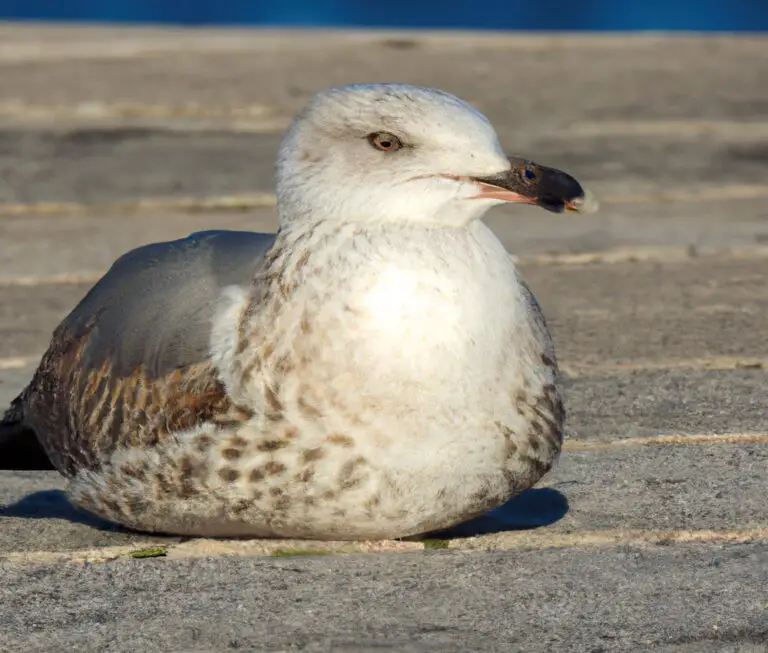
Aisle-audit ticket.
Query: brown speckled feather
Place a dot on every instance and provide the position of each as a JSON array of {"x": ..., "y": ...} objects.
[
  {"x": 543, "y": 408},
  {"x": 130, "y": 365}
]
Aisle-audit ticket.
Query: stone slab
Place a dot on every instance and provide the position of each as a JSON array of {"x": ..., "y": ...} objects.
[
  {"x": 660, "y": 311},
  {"x": 679, "y": 599},
  {"x": 638, "y": 404},
  {"x": 97, "y": 166}
]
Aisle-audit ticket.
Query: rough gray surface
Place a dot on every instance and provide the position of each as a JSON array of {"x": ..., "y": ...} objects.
[
  {"x": 94, "y": 166},
  {"x": 670, "y": 131},
  {"x": 651, "y": 311},
  {"x": 625, "y": 599},
  {"x": 681, "y": 401}
]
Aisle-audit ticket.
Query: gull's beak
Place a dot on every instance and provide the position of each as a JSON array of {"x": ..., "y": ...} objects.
[{"x": 527, "y": 182}]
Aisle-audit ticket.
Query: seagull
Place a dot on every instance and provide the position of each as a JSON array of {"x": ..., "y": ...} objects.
[{"x": 376, "y": 369}]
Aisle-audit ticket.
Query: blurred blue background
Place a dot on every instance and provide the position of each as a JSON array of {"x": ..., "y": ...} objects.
[{"x": 597, "y": 15}]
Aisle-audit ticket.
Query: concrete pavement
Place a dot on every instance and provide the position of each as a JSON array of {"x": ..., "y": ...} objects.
[{"x": 651, "y": 534}]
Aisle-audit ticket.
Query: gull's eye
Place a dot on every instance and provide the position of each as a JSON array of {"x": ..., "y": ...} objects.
[{"x": 384, "y": 141}]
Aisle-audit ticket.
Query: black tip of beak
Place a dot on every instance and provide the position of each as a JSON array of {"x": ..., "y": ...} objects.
[{"x": 556, "y": 190}]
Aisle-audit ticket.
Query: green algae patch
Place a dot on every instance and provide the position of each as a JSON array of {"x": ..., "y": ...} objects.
[{"x": 434, "y": 544}]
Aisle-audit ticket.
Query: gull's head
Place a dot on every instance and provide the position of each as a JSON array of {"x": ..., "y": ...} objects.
[{"x": 391, "y": 152}]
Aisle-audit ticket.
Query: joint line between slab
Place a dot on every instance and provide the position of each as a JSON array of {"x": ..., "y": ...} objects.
[
  {"x": 674, "y": 439},
  {"x": 510, "y": 540}
]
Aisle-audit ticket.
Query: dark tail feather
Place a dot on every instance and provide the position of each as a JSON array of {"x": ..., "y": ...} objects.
[{"x": 19, "y": 446}]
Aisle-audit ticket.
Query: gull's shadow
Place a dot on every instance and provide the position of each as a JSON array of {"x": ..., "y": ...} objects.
[
  {"x": 531, "y": 509},
  {"x": 53, "y": 504}
]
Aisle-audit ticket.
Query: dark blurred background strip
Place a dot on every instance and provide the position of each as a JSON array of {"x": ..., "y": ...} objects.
[{"x": 545, "y": 15}]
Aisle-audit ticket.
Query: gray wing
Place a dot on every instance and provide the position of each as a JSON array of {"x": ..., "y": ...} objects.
[
  {"x": 130, "y": 365},
  {"x": 154, "y": 307}
]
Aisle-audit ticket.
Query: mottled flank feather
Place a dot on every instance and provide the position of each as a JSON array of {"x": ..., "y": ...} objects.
[{"x": 67, "y": 401}]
